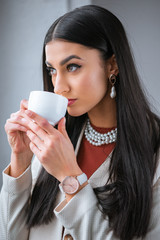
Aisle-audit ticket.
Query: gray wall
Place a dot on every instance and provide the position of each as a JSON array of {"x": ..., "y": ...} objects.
[
  {"x": 23, "y": 24},
  {"x": 141, "y": 19}
]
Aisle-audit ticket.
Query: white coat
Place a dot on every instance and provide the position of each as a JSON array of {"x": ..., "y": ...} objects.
[{"x": 81, "y": 217}]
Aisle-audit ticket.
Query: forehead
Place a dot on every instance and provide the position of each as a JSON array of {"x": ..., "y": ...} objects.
[{"x": 57, "y": 50}]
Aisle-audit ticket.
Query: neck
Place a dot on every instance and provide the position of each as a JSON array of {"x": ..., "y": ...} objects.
[{"x": 104, "y": 114}]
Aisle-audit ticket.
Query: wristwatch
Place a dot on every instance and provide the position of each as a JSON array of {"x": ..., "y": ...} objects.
[{"x": 70, "y": 184}]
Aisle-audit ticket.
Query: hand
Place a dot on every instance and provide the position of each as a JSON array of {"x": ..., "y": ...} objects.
[
  {"x": 52, "y": 147},
  {"x": 16, "y": 129}
]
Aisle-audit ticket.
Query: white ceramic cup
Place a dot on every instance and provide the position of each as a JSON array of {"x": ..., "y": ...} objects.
[{"x": 48, "y": 105}]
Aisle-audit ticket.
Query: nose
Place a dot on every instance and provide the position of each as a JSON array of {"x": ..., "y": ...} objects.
[{"x": 60, "y": 85}]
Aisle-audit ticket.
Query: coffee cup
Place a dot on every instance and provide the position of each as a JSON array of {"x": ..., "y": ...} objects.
[{"x": 48, "y": 105}]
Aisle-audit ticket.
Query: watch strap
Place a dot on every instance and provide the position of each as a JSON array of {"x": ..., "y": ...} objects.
[{"x": 82, "y": 178}]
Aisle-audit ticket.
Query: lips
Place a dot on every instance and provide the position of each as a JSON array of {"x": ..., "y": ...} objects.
[{"x": 71, "y": 101}]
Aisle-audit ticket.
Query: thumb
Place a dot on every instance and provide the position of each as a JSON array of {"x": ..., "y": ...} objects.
[{"x": 62, "y": 127}]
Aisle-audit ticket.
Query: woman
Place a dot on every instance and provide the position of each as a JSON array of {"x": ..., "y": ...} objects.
[{"x": 111, "y": 181}]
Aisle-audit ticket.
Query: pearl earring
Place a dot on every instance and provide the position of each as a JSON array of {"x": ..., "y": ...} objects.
[{"x": 112, "y": 80}]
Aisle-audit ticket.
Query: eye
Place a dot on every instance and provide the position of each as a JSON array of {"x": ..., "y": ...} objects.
[
  {"x": 73, "y": 67},
  {"x": 52, "y": 71}
]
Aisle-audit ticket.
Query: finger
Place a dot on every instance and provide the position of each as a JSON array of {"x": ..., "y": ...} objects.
[
  {"x": 36, "y": 151},
  {"x": 12, "y": 127},
  {"x": 14, "y": 114},
  {"x": 42, "y": 122},
  {"x": 19, "y": 120},
  {"x": 35, "y": 128},
  {"x": 62, "y": 127},
  {"x": 18, "y": 113},
  {"x": 35, "y": 140},
  {"x": 24, "y": 104}
]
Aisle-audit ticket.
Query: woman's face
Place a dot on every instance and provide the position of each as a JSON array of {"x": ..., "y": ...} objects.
[{"x": 79, "y": 74}]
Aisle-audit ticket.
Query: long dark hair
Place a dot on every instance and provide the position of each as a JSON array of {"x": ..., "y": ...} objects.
[{"x": 127, "y": 196}]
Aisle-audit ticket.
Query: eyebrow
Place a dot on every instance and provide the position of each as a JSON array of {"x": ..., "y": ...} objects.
[{"x": 65, "y": 60}]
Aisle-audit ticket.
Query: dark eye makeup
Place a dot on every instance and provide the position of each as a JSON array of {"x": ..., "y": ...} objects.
[
  {"x": 72, "y": 67},
  {"x": 50, "y": 70}
]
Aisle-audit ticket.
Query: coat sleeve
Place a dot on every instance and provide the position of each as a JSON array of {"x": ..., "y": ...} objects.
[
  {"x": 82, "y": 218},
  {"x": 14, "y": 197}
]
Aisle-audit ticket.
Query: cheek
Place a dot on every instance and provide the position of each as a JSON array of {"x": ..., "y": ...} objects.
[
  {"x": 82, "y": 84},
  {"x": 90, "y": 88},
  {"x": 95, "y": 83}
]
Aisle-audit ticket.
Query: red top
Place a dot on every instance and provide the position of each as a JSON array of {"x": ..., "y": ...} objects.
[{"x": 91, "y": 157}]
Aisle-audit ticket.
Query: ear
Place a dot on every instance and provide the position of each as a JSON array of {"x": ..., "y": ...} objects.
[{"x": 112, "y": 67}]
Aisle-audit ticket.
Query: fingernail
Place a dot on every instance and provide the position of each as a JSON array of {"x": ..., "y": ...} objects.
[
  {"x": 23, "y": 120},
  {"x": 28, "y": 113}
]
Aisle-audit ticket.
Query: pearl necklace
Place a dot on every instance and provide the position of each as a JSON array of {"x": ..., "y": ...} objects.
[{"x": 98, "y": 139}]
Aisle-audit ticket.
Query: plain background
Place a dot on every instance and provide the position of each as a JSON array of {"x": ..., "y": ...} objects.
[{"x": 23, "y": 25}]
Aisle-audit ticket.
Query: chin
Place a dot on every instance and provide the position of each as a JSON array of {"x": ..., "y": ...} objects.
[{"x": 75, "y": 113}]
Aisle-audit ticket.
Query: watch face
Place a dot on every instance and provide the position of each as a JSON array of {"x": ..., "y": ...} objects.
[{"x": 70, "y": 185}]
